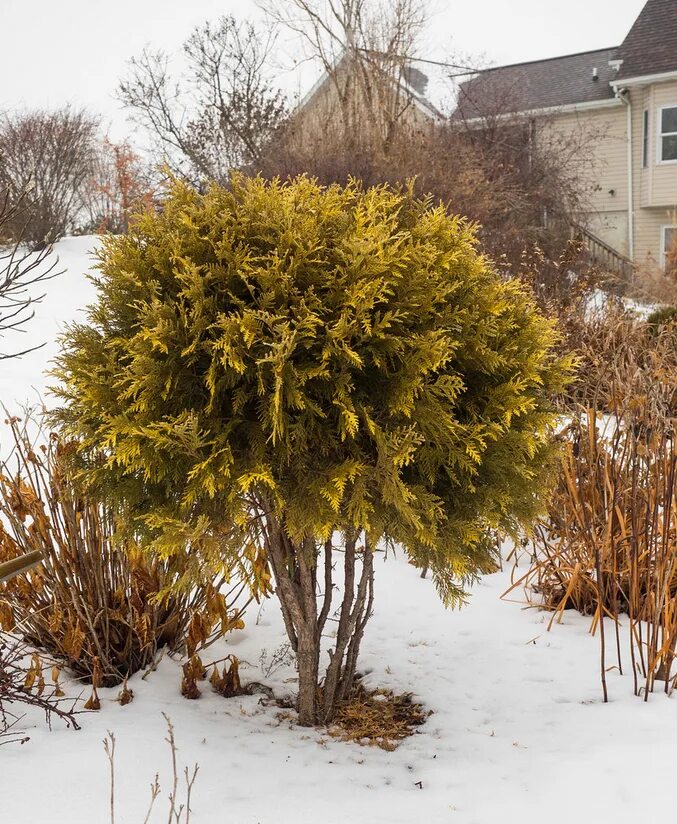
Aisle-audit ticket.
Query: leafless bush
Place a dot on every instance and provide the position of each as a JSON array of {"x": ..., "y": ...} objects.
[
  {"x": 45, "y": 157},
  {"x": 20, "y": 272},
  {"x": 24, "y": 684},
  {"x": 96, "y": 602},
  {"x": 516, "y": 182},
  {"x": 524, "y": 181}
]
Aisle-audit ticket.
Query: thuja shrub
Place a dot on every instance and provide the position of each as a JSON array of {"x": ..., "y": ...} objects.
[
  {"x": 308, "y": 371},
  {"x": 96, "y": 601}
]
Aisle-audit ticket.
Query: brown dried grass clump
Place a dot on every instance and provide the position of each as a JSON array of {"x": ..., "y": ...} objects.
[
  {"x": 608, "y": 544},
  {"x": 96, "y": 602},
  {"x": 377, "y": 718},
  {"x": 620, "y": 355}
]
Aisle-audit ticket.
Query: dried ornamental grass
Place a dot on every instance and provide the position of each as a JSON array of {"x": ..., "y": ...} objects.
[
  {"x": 608, "y": 546},
  {"x": 621, "y": 357}
]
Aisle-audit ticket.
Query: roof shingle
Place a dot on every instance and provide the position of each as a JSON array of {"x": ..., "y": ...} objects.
[
  {"x": 651, "y": 44},
  {"x": 541, "y": 84}
]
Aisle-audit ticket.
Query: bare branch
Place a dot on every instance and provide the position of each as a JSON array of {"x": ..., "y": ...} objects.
[
  {"x": 222, "y": 114},
  {"x": 20, "y": 271}
]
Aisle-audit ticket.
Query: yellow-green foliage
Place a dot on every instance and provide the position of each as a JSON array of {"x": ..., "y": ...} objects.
[{"x": 346, "y": 354}]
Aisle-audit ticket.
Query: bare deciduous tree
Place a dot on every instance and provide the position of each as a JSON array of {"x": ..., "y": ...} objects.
[
  {"x": 45, "y": 158},
  {"x": 121, "y": 186},
  {"x": 221, "y": 113},
  {"x": 20, "y": 271},
  {"x": 365, "y": 49}
]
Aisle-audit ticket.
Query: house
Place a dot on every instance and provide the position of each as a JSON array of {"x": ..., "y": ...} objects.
[
  {"x": 627, "y": 95},
  {"x": 624, "y": 96},
  {"x": 366, "y": 91}
]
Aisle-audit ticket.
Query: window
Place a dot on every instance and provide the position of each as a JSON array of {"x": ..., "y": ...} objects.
[
  {"x": 668, "y": 246},
  {"x": 667, "y": 138},
  {"x": 645, "y": 139}
]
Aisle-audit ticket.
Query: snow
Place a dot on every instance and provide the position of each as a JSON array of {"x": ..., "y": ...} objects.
[
  {"x": 518, "y": 733},
  {"x": 599, "y": 300},
  {"x": 22, "y": 381}
]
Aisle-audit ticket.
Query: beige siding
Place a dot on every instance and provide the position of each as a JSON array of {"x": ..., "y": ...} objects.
[
  {"x": 656, "y": 185},
  {"x": 611, "y": 227},
  {"x": 601, "y": 163},
  {"x": 654, "y": 199},
  {"x": 602, "y": 158},
  {"x": 648, "y": 228},
  {"x": 663, "y": 177}
]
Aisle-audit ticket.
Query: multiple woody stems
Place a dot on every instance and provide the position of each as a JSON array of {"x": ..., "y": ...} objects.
[{"x": 307, "y": 601}]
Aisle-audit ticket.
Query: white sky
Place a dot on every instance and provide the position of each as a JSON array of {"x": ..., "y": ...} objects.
[{"x": 58, "y": 51}]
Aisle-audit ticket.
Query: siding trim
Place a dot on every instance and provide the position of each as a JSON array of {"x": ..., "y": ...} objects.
[
  {"x": 643, "y": 79},
  {"x": 660, "y": 134},
  {"x": 663, "y": 246}
]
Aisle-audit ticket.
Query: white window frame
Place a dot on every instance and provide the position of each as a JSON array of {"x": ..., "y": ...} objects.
[
  {"x": 660, "y": 134},
  {"x": 664, "y": 246},
  {"x": 646, "y": 139}
]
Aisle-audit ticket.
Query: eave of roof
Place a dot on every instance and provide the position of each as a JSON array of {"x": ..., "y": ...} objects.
[{"x": 580, "y": 78}]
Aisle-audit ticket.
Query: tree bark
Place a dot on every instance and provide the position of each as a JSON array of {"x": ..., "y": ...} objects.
[{"x": 294, "y": 568}]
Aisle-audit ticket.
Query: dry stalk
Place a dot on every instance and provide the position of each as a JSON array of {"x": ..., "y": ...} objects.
[
  {"x": 94, "y": 602},
  {"x": 178, "y": 812},
  {"x": 608, "y": 546}
]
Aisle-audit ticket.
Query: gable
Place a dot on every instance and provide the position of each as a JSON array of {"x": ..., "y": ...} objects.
[{"x": 651, "y": 45}]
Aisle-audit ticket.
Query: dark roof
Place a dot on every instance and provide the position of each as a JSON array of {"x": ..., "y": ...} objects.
[
  {"x": 650, "y": 48},
  {"x": 541, "y": 84},
  {"x": 415, "y": 78},
  {"x": 651, "y": 44}
]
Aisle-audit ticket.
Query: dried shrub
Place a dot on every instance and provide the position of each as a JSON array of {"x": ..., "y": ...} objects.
[
  {"x": 619, "y": 355},
  {"x": 608, "y": 546},
  {"x": 656, "y": 282},
  {"x": 227, "y": 682},
  {"x": 27, "y": 680},
  {"x": 378, "y": 718},
  {"x": 652, "y": 285},
  {"x": 98, "y": 603},
  {"x": 193, "y": 671}
]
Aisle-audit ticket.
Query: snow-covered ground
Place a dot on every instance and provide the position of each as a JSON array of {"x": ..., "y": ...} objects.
[
  {"x": 23, "y": 380},
  {"x": 518, "y": 733}
]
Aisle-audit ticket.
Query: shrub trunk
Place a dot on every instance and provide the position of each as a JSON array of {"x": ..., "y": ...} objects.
[{"x": 306, "y": 610}]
